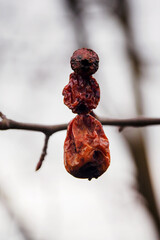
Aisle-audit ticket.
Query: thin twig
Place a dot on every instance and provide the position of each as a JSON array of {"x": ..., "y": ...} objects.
[
  {"x": 7, "y": 124},
  {"x": 2, "y": 116},
  {"x": 130, "y": 122},
  {"x": 44, "y": 152}
]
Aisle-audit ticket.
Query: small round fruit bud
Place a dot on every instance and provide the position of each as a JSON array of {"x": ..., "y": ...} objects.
[{"x": 84, "y": 62}]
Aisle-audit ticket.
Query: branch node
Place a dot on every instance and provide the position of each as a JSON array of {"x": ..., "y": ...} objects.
[
  {"x": 121, "y": 128},
  {"x": 44, "y": 153},
  {"x": 2, "y": 116},
  {"x": 4, "y": 124}
]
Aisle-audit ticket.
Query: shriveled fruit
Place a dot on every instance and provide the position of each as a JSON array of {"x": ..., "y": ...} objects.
[
  {"x": 86, "y": 148},
  {"x": 81, "y": 94},
  {"x": 84, "y": 62}
]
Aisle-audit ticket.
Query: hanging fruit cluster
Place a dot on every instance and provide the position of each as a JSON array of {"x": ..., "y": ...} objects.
[{"x": 86, "y": 147}]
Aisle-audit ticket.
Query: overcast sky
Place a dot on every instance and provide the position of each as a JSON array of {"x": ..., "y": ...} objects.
[{"x": 36, "y": 41}]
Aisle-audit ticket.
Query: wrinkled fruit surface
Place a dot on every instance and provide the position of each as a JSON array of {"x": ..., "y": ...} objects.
[
  {"x": 84, "y": 62},
  {"x": 81, "y": 94},
  {"x": 86, "y": 148}
]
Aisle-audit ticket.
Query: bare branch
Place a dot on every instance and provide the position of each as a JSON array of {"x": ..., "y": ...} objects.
[
  {"x": 7, "y": 124},
  {"x": 131, "y": 122},
  {"x": 48, "y": 130},
  {"x": 44, "y": 153}
]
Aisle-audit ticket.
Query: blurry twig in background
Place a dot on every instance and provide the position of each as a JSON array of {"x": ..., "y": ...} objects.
[
  {"x": 22, "y": 229},
  {"x": 76, "y": 9},
  {"x": 122, "y": 9}
]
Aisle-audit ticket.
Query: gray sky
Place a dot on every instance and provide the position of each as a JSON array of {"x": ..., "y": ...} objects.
[{"x": 36, "y": 42}]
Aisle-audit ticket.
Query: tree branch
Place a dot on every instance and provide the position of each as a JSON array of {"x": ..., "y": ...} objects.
[
  {"x": 7, "y": 124},
  {"x": 48, "y": 130},
  {"x": 44, "y": 153},
  {"x": 130, "y": 122}
]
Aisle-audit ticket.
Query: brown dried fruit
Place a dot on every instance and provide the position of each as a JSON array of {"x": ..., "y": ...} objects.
[
  {"x": 84, "y": 62},
  {"x": 86, "y": 148},
  {"x": 81, "y": 94}
]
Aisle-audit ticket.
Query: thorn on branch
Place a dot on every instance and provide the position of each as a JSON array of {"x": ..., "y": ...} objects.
[
  {"x": 44, "y": 152},
  {"x": 2, "y": 116},
  {"x": 4, "y": 124},
  {"x": 121, "y": 128}
]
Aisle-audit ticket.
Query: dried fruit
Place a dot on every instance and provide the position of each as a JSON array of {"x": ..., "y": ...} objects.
[
  {"x": 81, "y": 95},
  {"x": 84, "y": 62},
  {"x": 86, "y": 148}
]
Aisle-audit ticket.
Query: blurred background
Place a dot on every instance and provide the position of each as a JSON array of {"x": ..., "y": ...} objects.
[{"x": 37, "y": 39}]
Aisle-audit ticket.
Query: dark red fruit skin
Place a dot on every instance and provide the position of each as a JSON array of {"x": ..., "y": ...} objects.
[
  {"x": 86, "y": 148},
  {"x": 84, "y": 62},
  {"x": 81, "y": 94}
]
